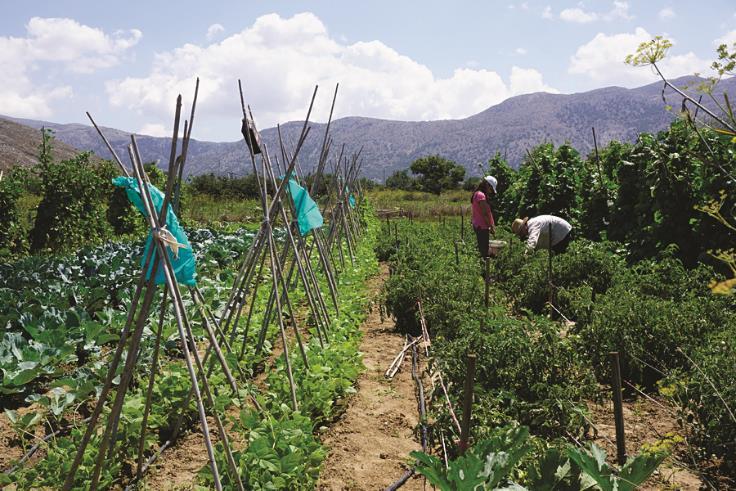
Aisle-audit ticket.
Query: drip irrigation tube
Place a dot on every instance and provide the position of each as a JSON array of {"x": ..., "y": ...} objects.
[
  {"x": 401, "y": 481},
  {"x": 35, "y": 447},
  {"x": 134, "y": 483},
  {"x": 422, "y": 417}
]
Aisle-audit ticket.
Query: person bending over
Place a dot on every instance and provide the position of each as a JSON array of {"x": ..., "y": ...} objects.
[{"x": 536, "y": 231}]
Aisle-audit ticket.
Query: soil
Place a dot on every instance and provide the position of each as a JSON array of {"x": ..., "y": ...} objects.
[
  {"x": 369, "y": 445},
  {"x": 10, "y": 449},
  {"x": 646, "y": 421},
  {"x": 178, "y": 470}
]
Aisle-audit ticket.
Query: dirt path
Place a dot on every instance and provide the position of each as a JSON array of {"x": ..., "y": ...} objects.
[{"x": 370, "y": 444}]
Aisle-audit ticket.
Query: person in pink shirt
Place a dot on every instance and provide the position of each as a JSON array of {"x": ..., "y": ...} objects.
[{"x": 482, "y": 216}]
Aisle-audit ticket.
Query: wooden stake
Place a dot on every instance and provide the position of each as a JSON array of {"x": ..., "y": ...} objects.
[
  {"x": 549, "y": 268},
  {"x": 462, "y": 224},
  {"x": 618, "y": 408},
  {"x": 487, "y": 277},
  {"x": 467, "y": 402}
]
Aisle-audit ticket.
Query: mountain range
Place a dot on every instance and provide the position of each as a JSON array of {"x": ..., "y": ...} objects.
[{"x": 511, "y": 128}]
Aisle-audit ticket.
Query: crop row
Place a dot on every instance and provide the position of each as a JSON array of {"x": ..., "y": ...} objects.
[
  {"x": 112, "y": 270},
  {"x": 538, "y": 372}
]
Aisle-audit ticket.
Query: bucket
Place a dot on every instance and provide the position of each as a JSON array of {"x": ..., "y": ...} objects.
[{"x": 494, "y": 246}]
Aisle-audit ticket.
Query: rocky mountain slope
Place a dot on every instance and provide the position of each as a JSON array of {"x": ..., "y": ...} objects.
[{"x": 510, "y": 127}]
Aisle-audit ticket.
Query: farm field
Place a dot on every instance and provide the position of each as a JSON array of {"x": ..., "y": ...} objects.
[
  {"x": 52, "y": 304},
  {"x": 539, "y": 294},
  {"x": 545, "y": 367}
]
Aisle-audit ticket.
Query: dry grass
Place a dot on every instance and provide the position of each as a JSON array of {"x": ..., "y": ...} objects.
[{"x": 420, "y": 204}]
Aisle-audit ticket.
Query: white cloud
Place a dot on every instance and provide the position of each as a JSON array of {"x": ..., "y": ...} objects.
[
  {"x": 280, "y": 61},
  {"x": 602, "y": 60},
  {"x": 81, "y": 48},
  {"x": 214, "y": 30},
  {"x": 528, "y": 80},
  {"x": 728, "y": 39},
  {"x": 76, "y": 47},
  {"x": 666, "y": 14},
  {"x": 520, "y": 51},
  {"x": 578, "y": 15},
  {"x": 154, "y": 129},
  {"x": 619, "y": 10}
]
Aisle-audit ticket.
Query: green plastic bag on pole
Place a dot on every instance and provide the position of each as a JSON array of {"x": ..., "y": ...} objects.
[
  {"x": 307, "y": 211},
  {"x": 185, "y": 267}
]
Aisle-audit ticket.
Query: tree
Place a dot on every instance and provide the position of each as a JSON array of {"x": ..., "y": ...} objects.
[
  {"x": 11, "y": 237},
  {"x": 504, "y": 202},
  {"x": 547, "y": 182},
  {"x": 71, "y": 212},
  {"x": 400, "y": 180},
  {"x": 437, "y": 174}
]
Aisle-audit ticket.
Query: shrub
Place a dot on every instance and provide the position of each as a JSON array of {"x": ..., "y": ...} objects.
[
  {"x": 11, "y": 234},
  {"x": 71, "y": 212}
]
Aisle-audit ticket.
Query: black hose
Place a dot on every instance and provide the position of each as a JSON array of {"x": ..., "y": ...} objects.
[
  {"x": 33, "y": 449},
  {"x": 401, "y": 481}
]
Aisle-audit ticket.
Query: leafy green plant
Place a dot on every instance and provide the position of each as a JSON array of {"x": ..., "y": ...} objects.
[
  {"x": 71, "y": 211},
  {"x": 280, "y": 452},
  {"x": 493, "y": 463},
  {"x": 485, "y": 465},
  {"x": 635, "y": 471}
]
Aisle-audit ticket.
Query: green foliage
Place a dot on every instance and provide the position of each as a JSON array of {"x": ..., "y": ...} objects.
[
  {"x": 71, "y": 213},
  {"x": 281, "y": 447},
  {"x": 400, "y": 180},
  {"x": 220, "y": 187},
  {"x": 280, "y": 452},
  {"x": 503, "y": 202},
  {"x": 436, "y": 173},
  {"x": 635, "y": 471},
  {"x": 704, "y": 390},
  {"x": 586, "y": 264},
  {"x": 11, "y": 232},
  {"x": 484, "y": 466},
  {"x": 548, "y": 182},
  {"x": 491, "y": 464},
  {"x": 122, "y": 215},
  {"x": 526, "y": 372}
]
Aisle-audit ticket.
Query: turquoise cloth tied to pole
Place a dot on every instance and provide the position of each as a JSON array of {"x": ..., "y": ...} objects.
[
  {"x": 351, "y": 198},
  {"x": 307, "y": 212},
  {"x": 185, "y": 267}
]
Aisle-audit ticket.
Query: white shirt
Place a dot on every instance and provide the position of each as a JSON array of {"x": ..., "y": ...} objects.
[{"x": 539, "y": 228}]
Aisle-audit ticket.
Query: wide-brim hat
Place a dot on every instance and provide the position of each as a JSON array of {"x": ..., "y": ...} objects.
[{"x": 518, "y": 224}]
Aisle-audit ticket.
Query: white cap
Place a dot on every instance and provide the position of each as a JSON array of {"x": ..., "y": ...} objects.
[{"x": 492, "y": 181}]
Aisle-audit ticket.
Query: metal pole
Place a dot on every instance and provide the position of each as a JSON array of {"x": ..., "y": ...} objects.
[{"x": 618, "y": 408}]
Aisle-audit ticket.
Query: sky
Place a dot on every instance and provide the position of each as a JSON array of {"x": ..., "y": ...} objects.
[{"x": 125, "y": 62}]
